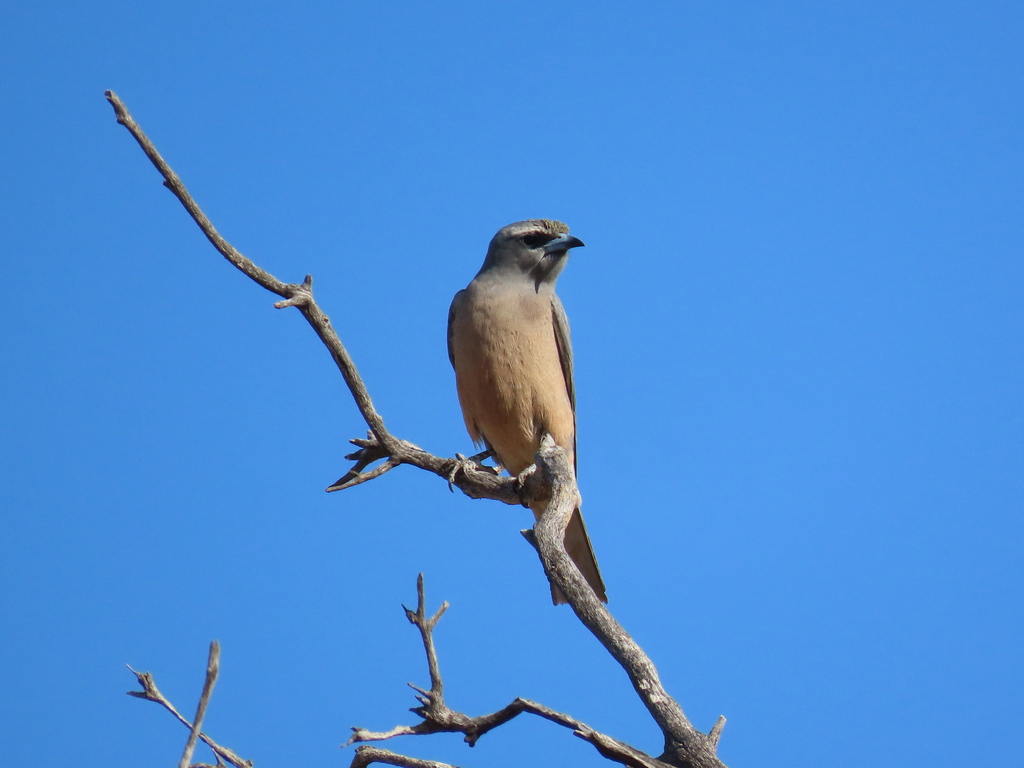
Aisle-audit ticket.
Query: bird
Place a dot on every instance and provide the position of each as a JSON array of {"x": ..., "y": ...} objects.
[{"x": 508, "y": 341}]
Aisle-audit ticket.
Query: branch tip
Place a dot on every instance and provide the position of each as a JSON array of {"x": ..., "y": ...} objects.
[
  {"x": 212, "y": 671},
  {"x": 716, "y": 731},
  {"x": 440, "y": 612}
]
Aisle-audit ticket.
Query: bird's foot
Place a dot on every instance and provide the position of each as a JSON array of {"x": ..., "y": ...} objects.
[{"x": 460, "y": 464}]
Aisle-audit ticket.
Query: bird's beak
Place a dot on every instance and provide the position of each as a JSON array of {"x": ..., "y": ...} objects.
[{"x": 563, "y": 243}]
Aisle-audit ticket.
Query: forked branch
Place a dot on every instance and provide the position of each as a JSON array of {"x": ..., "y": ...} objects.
[
  {"x": 439, "y": 718},
  {"x": 474, "y": 482},
  {"x": 150, "y": 692},
  {"x": 554, "y": 484}
]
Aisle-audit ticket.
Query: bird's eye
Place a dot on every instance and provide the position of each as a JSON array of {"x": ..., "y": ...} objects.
[{"x": 533, "y": 241}]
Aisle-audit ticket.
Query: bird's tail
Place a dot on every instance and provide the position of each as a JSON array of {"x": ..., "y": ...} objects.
[{"x": 577, "y": 544}]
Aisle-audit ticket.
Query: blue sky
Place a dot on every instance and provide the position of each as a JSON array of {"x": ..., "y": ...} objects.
[{"x": 798, "y": 335}]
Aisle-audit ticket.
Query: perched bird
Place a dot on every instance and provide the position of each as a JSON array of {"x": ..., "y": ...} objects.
[{"x": 508, "y": 340}]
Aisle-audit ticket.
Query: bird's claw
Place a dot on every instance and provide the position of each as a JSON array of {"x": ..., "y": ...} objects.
[{"x": 461, "y": 463}]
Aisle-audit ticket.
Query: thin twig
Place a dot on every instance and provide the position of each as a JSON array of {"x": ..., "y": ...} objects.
[
  {"x": 212, "y": 670},
  {"x": 354, "y": 477},
  {"x": 475, "y": 482},
  {"x": 439, "y": 718},
  {"x": 716, "y": 730},
  {"x": 297, "y": 295},
  {"x": 150, "y": 692},
  {"x": 174, "y": 183},
  {"x": 426, "y": 628}
]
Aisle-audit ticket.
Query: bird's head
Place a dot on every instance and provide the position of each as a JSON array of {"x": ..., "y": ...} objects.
[{"x": 536, "y": 249}]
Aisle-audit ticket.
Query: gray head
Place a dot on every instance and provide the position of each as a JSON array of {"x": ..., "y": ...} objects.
[{"x": 536, "y": 250}]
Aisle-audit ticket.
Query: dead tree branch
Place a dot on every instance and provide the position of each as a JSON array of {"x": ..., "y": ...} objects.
[
  {"x": 212, "y": 670},
  {"x": 367, "y": 755},
  {"x": 684, "y": 744},
  {"x": 554, "y": 484},
  {"x": 473, "y": 481},
  {"x": 439, "y": 718},
  {"x": 150, "y": 692}
]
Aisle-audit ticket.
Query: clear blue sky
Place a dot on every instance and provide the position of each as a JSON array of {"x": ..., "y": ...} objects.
[{"x": 798, "y": 333}]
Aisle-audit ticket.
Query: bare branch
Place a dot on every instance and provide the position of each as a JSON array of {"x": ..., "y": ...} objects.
[
  {"x": 684, "y": 744},
  {"x": 212, "y": 670},
  {"x": 554, "y": 485},
  {"x": 354, "y": 477},
  {"x": 150, "y": 692},
  {"x": 475, "y": 481},
  {"x": 716, "y": 730},
  {"x": 366, "y": 755},
  {"x": 173, "y": 183},
  {"x": 426, "y": 628},
  {"x": 439, "y": 718},
  {"x": 298, "y": 295}
]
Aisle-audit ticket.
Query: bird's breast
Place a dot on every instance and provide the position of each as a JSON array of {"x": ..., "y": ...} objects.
[{"x": 509, "y": 374}]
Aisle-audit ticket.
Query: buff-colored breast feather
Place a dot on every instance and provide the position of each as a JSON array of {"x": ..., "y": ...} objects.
[{"x": 510, "y": 381}]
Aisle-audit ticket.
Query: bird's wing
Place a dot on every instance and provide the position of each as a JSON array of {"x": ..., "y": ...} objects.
[
  {"x": 451, "y": 318},
  {"x": 561, "y": 324}
]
